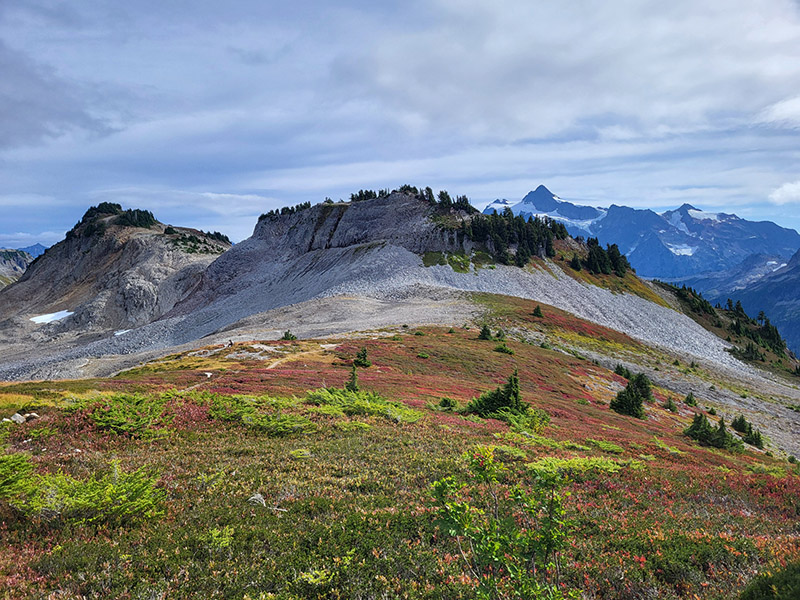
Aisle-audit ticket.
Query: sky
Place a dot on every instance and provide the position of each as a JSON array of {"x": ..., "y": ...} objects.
[{"x": 211, "y": 113}]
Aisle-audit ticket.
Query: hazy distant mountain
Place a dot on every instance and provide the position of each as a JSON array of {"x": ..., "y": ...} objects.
[
  {"x": 674, "y": 244},
  {"x": 35, "y": 250},
  {"x": 778, "y": 295}
]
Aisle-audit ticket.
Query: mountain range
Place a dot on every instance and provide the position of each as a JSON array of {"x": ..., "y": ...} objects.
[
  {"x": 113, "y": 289},
  {"x": 674, "y": 244}
]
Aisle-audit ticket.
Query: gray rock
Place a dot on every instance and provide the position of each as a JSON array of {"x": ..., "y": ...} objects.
[
  {"x": 257, "y": 499},
  {"x": 18, "y": 418},
  {"x": 30, "y": 416}
]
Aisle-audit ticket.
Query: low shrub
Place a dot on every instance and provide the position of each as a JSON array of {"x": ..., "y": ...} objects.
[
  {"x": 782, "y": 584},
  {"x": 134, "y": 415},
  {"x": 116, "y": 498},
  {"x": 605, "y": 446},
  {"x": 362, "y": 403},
  {"x": 503, "y": 348}
]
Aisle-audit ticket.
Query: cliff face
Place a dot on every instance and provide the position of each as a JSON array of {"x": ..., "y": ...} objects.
[
  {"x": 325, "y": 237},
  {"x": 107, "y": 275}
]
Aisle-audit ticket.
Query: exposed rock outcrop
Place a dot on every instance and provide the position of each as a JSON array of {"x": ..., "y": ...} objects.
[
  {"x": 108, "y": 274},
  {"x": 12, "y": 265}
]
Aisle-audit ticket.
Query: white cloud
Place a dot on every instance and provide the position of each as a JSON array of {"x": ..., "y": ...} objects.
[
  {"x": 788, "y": 193},
  {"x": 785, "y": 113}
]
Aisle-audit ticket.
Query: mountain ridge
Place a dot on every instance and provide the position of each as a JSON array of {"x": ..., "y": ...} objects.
[{"x": 678, "y": 243}]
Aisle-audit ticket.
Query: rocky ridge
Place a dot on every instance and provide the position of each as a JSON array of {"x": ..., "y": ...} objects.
[{"x": 107, "y": 275}]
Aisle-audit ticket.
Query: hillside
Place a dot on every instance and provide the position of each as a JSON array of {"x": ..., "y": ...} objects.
[
  {"x": 677, "y": 243},
  {"x": 12, "y": 265},
  {"x": 778, "y": 295},
  {"x": 399, "y": 251},
  {"x": 115, "y": 270},
  {"x": 231, "y": 473}
]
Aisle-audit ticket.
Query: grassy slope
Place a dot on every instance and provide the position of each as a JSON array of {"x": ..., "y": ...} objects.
[{"x": 678, "y": 521}]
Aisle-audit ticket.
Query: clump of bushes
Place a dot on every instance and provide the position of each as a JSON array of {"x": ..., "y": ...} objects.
[
  {"x": 751, "y": 435},
  {"x": 718, "y": 437},
  {"x": 622, "y": 371},
  {"x": 783, "y": 584},
  {"x": 115, "y": 498},
  {"x": 288, "y": 336},
  {"x": 506, "y": 397},
  {"x": 133, "y": 415},
  {"x": 362, "y": 403},
  {"x": 630, "y": 401}
]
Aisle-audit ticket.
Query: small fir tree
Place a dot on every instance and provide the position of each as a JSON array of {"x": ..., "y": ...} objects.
[
  {"x": 361, "y": 359},
  {"x": 352, "y": 383},
  {"x": 537, "y": 312},
  {"x": 486, "y": 333}
]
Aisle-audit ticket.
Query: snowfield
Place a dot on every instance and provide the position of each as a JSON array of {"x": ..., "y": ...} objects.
[{"x": 49, "y": 318}]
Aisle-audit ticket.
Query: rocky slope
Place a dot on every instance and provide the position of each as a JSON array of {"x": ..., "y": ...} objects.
[
  {"x": 674, "y": 244},
  {"x": 12, "y": 265},
  {"x": 115, "y": 270},
  {"x": 367, "y": 253}
]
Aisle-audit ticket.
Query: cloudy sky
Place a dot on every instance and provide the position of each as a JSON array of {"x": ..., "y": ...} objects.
[{"x": 209, "y": 113}]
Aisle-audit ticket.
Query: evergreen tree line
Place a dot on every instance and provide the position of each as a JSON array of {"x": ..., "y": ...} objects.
[
  {"x": 499, "y": 232},
  {"x": 286, "y": 210},
  {"x": 124, "y": 218},
  {"x": 599, "y": 260},
  {"x": 716, "y": 437},
  {"x": 695, "y": 300}
]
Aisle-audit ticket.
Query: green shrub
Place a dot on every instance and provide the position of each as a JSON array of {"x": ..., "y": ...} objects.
[
  {"x": 783, "y": 584},
  {"x": 486, "y": 333},
  {"x": 16, "y": 471},
  {"x": 511, "y": 537},
  {"x": 690, "y": 400},
  {"x": 362, "y": 403},
  {"x": 537, "y": 312},
  {"x": 361, "y": 359},
  {"x": 128, "y": 414},
  {"x": 622, "y": 371},
  {"x": 574, "y": 466},
  {"x": 606, "y": 446},
  {"x": 532, "y": 421},
  {"x": 503, "y": 348},
  {"x": 504, "y": 397},
  {"x": 116, "y": 498},
  {"x": 279, "y": 425},
  {"x": 717, "y": 437},
  {"x": 448, "y": 404},
  {"x": 630, "y": 400},
  {"x": 419, "y": 333},
  {"x": 670, "y": 405},
  {"x": 288, "y": 336},
  {"x": 423, "y": 355}
]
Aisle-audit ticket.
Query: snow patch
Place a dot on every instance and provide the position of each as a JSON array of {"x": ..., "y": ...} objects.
[
  {"x": 675, "y": 221},
  {"x": 778, "y": 267},
  {"x": 681, "y": 249},
  {"x": 703, "y": 216},
  {"x": 49, "y": 318},
  {"x": 121, "y": 332}
]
